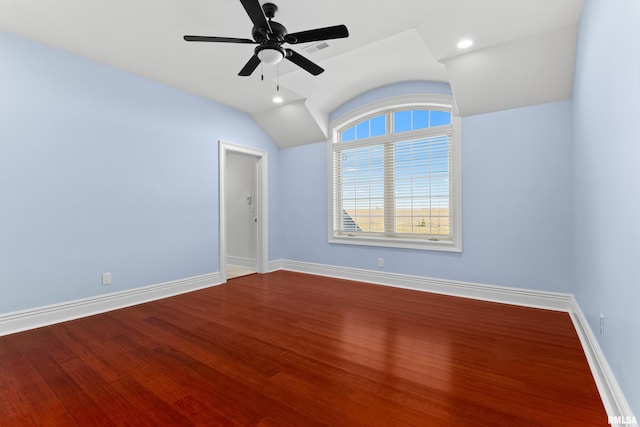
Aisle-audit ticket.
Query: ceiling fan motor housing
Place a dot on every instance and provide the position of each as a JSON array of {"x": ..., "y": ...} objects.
[{"x": 277, "y": 34}]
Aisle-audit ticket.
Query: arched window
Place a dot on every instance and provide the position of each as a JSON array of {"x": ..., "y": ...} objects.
[{"x": 395, "y": 175}]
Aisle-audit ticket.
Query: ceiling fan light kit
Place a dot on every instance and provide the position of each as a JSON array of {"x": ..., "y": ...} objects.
[
  {"x": 270, "y": 55},
  {"x": 270, "y": 35}
]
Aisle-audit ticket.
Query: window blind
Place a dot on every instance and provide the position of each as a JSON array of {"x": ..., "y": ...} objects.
[
  {"x": 395, "y": 175},
  {"x": 395, "y": 185}
]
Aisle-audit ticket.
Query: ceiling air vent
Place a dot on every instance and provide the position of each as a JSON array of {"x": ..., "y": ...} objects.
[{"x": 312, "y": 48}]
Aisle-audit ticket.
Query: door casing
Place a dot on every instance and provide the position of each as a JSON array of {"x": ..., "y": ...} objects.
[{"x": 262, "y": 229}]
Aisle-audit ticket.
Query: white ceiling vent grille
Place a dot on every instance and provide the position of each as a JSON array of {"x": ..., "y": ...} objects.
[{"x": 315, "y": 47}]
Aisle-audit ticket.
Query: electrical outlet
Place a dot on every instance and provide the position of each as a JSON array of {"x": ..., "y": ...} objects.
[
  {"x": 380, "y": 262},
  {"x": 106, "y": 278},
  {"x": 601, "y": 324}
]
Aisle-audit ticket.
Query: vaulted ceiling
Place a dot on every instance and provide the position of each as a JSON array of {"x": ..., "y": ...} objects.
[{"x": 523, "y": 52}]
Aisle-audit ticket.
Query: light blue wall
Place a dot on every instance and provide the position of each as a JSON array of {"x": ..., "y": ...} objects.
[
  {"x": 101, "y": 170},
  {"x": 516, "y": 203},
  {"x": 606, "y": 215}
]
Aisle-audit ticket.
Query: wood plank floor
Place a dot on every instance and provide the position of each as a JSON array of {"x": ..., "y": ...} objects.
[{"x": 299, "y": 350}]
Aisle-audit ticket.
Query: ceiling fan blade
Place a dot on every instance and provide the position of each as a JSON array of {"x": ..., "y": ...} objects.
[
  {"x": 255, "y": 12},
  {"x": 303, "y": 62},
  {"x": 217, "y": 39},
  {"x": 250, "y": 66},
  {"x": 326, "y": 33}
]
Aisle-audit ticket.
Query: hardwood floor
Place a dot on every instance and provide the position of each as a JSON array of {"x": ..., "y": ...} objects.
[{"x": 293, "y": 349}]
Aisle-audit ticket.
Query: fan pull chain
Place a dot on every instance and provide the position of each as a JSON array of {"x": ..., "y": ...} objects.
[
  {"x": 262, "y": 71},
  {"x": 278, "y": 77}
]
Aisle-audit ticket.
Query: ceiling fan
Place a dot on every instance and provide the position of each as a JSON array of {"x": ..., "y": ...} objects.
[{"x": 270, "y": 35}]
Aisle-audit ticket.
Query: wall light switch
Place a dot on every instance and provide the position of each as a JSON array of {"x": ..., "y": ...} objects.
[{"x": 106, "y": 278}]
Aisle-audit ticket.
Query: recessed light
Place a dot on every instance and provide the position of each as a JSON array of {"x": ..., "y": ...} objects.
[
  {"x": 465, "y": 44},
  {"x": 277, "y": 99}
]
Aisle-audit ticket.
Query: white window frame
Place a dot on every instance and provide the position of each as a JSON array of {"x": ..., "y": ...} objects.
[{"x": 399, "y": 103}]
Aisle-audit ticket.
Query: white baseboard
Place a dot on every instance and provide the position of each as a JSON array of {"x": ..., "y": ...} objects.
[
  {"x": 56, "y": 313},
  {"x": 503, "y": 294},
  {"x": 241, "y": 261},
  {"x": 612, "y": 397}
]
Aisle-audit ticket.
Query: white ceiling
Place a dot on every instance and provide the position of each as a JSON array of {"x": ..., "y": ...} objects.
[{"x": 523, "y": 54}]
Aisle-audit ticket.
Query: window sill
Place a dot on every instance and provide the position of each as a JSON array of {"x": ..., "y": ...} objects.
[{"x": 427, "y": 245}]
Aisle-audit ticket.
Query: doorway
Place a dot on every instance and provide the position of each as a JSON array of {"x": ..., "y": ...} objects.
[{"x": 243, "y": 210}]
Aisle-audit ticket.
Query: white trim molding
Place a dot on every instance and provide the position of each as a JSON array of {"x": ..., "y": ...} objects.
[
  {"x": 241, "y": 261},
  {"x": 524, "y": 297},
  {"x": 262, "y": 203},
  {"x": 611, "y": 394},
  {"x": 612, "y": 397},
  {"x": 42, "y": 316}
]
